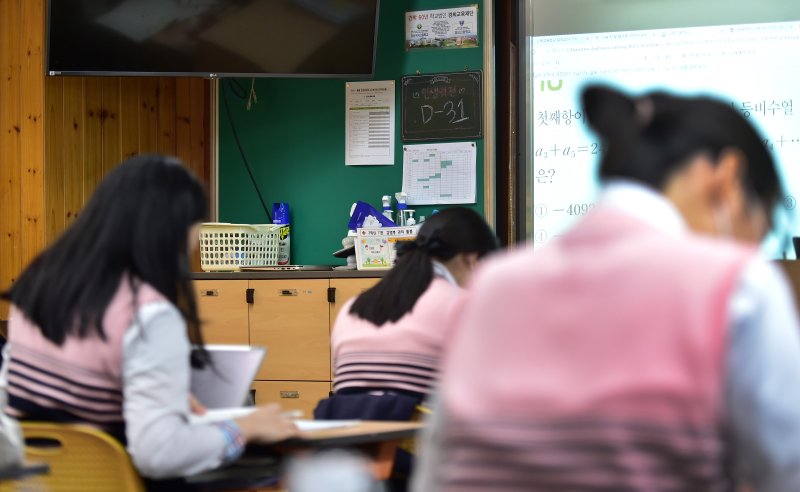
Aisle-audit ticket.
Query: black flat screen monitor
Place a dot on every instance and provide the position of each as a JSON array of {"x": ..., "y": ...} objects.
[{"x": 212, "y": 38}]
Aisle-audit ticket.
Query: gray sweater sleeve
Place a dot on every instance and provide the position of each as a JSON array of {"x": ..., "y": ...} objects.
[
  {"x": 11, "y": 445},
  {"x": 156, "y": 372}
]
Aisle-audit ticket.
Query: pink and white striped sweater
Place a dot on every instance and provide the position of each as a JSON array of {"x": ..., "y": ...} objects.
[
  {"x": 80, "y": 381},
  {"x": 594, "y": 364},
  {"x": 404, "y": 355}
]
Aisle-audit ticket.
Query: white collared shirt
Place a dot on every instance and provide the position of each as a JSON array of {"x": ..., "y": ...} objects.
[{"x": 442, "y": 271}]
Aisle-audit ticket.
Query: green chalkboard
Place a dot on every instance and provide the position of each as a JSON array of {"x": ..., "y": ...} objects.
[
  {"x": 294, "y": 140},
  {"x": 442, "y": 106}
]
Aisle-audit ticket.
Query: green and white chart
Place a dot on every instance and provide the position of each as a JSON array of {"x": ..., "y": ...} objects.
[{"x": 441, "y": 173}]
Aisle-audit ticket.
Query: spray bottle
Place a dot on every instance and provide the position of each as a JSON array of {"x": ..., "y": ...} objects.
[{"x": 280, "y": 215}]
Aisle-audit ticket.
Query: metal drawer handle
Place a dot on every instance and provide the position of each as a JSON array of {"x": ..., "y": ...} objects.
[
  {"x": 290, "y": 394},
  {"x": 209, "y": 293},
  {"x": 287, "y": 292}
]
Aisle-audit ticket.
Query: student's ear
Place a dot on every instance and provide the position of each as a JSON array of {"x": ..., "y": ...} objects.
[
  {"x": 727, "y": 180},
  {"x": 471, "y": 260}
]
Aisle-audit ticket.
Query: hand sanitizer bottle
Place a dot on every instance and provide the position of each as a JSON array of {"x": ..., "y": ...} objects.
[
  {"x": 401, "y": 207},
  {"x": 387, "y": 206}
]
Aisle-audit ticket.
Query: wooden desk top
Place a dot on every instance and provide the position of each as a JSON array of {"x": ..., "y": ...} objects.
[
  {"x": 366, "y": 431},
  {"x": 261, "y": 462}
]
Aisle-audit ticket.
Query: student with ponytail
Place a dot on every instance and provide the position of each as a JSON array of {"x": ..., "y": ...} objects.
[
  {"x": 390, "y": 338},
  {"x": 647, "y": 349},
  {"x": 388, "y": 343}
]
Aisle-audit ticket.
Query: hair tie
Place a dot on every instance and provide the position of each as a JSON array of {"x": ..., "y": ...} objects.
[
  {"x": 403, "y": 247},
  {"x": 431, "y": 244}
]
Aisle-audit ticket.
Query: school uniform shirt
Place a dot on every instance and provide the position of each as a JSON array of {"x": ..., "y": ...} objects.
[
  {"x": 11, "y": 442},
  {"x": 134, "y": 384},
  {"x": 628, "y": 355},
  {"x": 403, "y": 355}
]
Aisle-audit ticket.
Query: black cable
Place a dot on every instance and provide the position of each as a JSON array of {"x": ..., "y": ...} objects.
[
  {"x": 233, "y": 84},
  {"x": 241, "y": 152}
]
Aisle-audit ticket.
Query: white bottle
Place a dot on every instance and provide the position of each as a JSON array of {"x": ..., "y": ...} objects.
[{"x": 387, "y": 207}]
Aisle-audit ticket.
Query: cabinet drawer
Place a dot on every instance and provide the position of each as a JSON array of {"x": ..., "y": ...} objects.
[
  {"x": 223, "y": 310},
  {"x": 292, "y": 395},
  {"x": 290, "y": 319}
]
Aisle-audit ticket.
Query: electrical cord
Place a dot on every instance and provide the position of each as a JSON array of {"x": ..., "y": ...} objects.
[{"x": 241, "y": 151}]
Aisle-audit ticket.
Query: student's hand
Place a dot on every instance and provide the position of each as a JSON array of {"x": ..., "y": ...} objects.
[
  {"x": 195, "y": 406},
  {"x": 267, "y": 425}
]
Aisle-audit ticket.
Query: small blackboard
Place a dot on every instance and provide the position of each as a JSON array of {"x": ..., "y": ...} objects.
[{"x": 442, "y": 106}]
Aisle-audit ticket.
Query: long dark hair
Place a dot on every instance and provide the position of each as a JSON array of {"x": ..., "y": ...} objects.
[
  {"x": 650, "y": 137},
  {"x": 137, "y": 224},
  {"x": 441, "y": 237}
]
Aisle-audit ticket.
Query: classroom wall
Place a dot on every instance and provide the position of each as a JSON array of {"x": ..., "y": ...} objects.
[
  {"x": 294, "y": 140},
  {"x": 60, "y": 135},
  {"x": 93, "y": 123},
  {"x": 22, "y": 211}
]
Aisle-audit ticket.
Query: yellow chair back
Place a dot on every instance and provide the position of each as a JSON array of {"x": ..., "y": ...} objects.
[{"x": 81, "y": 458}]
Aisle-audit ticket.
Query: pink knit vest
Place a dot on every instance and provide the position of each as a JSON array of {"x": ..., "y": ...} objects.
[
  {"x": 596, "y": 363},
  {"x": 80, "y": 381}
]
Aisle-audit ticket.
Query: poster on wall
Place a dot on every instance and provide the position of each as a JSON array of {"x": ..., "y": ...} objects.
[
  {"x": 442, "y": 28},
  {"x": 376, "y": 248},
  {"x": 369, "y": 123},
  {"x": 440, "y": 173}
]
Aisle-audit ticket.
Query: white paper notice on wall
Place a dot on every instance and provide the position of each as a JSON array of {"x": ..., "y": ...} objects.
[
  {"x": 441, "y": 173},
  {"x": 369, "y": 123}
]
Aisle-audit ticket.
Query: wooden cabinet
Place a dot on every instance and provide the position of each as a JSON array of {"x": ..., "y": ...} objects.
[
  {"x": 292, "y": 395},
  {"x": 223, "y": 311},
  {"x": 292, "y": 318}
]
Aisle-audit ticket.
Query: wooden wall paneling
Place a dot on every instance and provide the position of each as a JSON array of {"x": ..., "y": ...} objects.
[
  {"x": 183, "y": 112},
  {"x": 74, "y": 132},
  {"x": 129, "y": 116},
  {"x": 197, "y": 94},
  {"x": 166, "y": 116},
  {"x": 54, "y": 151},
  {"x": 10, "y": 128},
  {"x": 93, "y": 135},
  {"x": 32, "y": 142},
  {"x": 109, "y": 117},
  {"x": 148, "y": 115}
]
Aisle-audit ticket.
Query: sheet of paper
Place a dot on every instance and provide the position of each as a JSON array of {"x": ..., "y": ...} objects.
[
  {"x": 369, "y": 123},
  {"x": 220, "y": 414},
  {"x": 315, "y": 425},
  {"x": 304, "y": 425},
  {"x": 439, "y": 173}
]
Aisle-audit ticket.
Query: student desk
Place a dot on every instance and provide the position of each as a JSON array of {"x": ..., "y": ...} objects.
[{"x": 377, "y": 440}]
